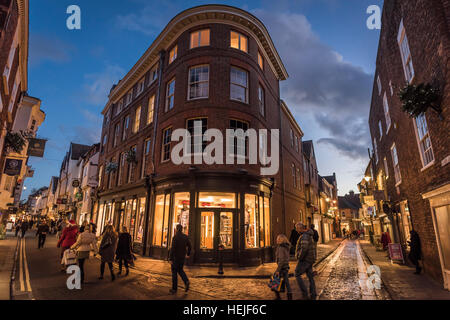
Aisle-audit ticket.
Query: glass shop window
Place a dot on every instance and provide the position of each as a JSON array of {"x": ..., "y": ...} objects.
[
  {"x": 181, "y": 207},
  {"x": 251, "y": 217},
  {"x": 226, "y": 229},
  {"x": 161, "y": 222},
  {"x": 267, "y": 220},
  {"x": 207, "y": 230},
  {"x": 216, "y": 200},
  {"x": 140, "y": 221}
]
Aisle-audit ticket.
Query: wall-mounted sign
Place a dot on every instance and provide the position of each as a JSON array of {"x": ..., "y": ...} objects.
[
  {"x": 13, "y": 167},
  {"x": 75, "y": 183},
  {"x": 36, "y": 147}
]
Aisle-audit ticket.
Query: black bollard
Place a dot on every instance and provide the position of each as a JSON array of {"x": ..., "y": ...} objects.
[{"x": 220, "y": 258}]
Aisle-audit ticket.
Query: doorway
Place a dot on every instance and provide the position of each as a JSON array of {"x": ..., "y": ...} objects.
[{"x": 215, "y": 228}]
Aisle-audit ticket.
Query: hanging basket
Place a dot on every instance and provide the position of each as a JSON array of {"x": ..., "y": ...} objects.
[
  {"x": 417, "y": 99},
  {"x": 15, "y": 141},
  {"x": 130, "y": 156},
  {"x": 111, "y": 167}
]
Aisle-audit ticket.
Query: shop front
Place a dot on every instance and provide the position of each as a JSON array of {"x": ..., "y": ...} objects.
[{"x": 233, "y": 214}]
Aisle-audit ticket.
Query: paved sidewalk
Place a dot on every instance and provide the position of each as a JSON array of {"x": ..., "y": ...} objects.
[
  {"x": 263, "y": 271},
  {"x": 7, "y": 251},
  {"x": 400, "y": 280}
]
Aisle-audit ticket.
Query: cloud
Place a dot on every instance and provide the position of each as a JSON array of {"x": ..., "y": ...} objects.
[
  {"x": 335, "y": 92},
  {"x": 48, "y": 48},
  {"x": 97, "y": 85}
]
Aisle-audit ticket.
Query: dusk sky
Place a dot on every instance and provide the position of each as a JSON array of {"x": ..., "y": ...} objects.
[{"x": 325, "y": 45}]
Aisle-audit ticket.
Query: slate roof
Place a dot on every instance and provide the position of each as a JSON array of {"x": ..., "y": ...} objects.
[
  {"x": 349, "y": 202},
  {"x": 78, "y": 150}
]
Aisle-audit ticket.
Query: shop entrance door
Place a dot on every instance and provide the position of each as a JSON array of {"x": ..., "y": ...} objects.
[{"x": 216, "y": 227}]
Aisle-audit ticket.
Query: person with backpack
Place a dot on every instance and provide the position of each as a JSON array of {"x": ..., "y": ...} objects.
[
  {"x": 180, "y": 249},
  {"x": 305, "y": 254},
  {"x": 282, "y": 260}
]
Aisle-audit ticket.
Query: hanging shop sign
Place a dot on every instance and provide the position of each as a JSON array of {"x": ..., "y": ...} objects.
[
  {"x": 378, "y": 195},
  {"x": 13, "y": 167},
  {"x": 75, "y": 183},
  {"x": 36, "y": 147}
]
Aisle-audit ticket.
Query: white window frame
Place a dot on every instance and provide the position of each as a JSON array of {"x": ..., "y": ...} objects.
[
  {"x": 144, "y": 155},
  {"x": 150, "y": 109},
  {"x": 386, "y": 113},
  {"x": 294, "y": 175},
  {"x": 129, "y": 97},
  {"x": 239, "y": 85},
  {"x": 14, "y": 93},
  {"x": 126, "y": 125},
  {"x": 170, "y": 97},
  {"x": 375, "y": 149},
  {"x": 200, "y": 33},
  {"x": 116, "y": 134},
  {"x": 396, "y": 165},
  {"x": 9, "y": 62},
  {"x": 163, "y": 144},
  {"x": 423, "y": 153},
  {"x": 153, "y": 74},
  {"x": 240, "y": 35},
  {"x": 140, "y": 87},
  {"x": 391, "y": 88},
  {"x": 197, "y": 82},
  {"x": 119, "y": 106},
  {"x": 405, "y": 53},
  {"x": 173, "y": 54}
]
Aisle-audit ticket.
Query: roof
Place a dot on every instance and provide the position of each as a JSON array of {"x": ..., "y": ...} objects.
[
  {"x": 331, "y": 179},
  {"x": 193, "y": 17},
  {"x": 349, "y": 201},
  {"x": 78, "y": 150}
]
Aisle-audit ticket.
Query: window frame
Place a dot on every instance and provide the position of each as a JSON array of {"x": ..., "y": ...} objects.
[
  {"x": 380, "y": 88},
  {"x": 164, "y": 144},
  {"x": 204, "y": 143},
  {"x": 173, "y": 54},
  {"x": 126, "y": 125},
  {"x": 240, "y": 35},
  {"x": 420, "y": 142},
  {"x": 200, "y": 32},
  {"x": 153, "y": 74},
  {"x": 403, "y": 44},
  {"x": 137, "y": 120},
  {"x": 197, "y": 82},
  {"x": 239, "y": 85},
  {"x": 262, "y": 102},
  {"x": 170, "y": 97},
  {"x": 235, "y": 153},
  {"x": 387, "y": 115},
  {"x": 140, "y": 87},
  {"x": 152, "y": 110},
  {"x": 260, "y": 61},
  {"x": 396, "y": 166}
]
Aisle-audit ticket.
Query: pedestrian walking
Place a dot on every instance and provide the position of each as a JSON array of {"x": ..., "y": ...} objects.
[
  {"x": 415, "y": 253},
  {"x": 41, "y": 232},
  {"x": 107, "y": 250},
  {"x": 52, "y": 226},
  {"x": 344, "y": 231},
  {"x": 181, "y": 248},
  {"x": 86, "y": 242},
  {"x": 304, "y": 253},
  {"x": 24, "y": 227},
  {"x": 282, "y": 260},
  {"x": 18, "y": 226},
  {"x": 316, "y": 241},
  {"x": 68, "y": 238},
  {"x": 293, "y": 239},
  {"x": 123, "y": 252},
  {"x": 385, "y": 240}
]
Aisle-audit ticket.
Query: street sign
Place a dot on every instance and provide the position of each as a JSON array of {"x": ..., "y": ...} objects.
[
  {"x": 395, "y": 251},
  {"x": 13, "y": 167}
]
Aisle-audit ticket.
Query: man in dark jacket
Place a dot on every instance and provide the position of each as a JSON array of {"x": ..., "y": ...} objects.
[
  {"x": 306, "y": 256},
  {"x": 24, "y": 228},
  {"x": 42, "y": 231},
  {"x": 293, "y": 239},
  {"x": 181, "y": 248},
  {"x": 415, "y": 252}
]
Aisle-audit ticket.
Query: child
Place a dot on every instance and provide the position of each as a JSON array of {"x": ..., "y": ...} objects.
[{"x": 282, "y": 259}]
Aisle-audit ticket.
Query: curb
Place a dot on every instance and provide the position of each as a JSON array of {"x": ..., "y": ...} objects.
[
  {"x": 387, "y": 288},
  {"x": 13, "y": 271}
]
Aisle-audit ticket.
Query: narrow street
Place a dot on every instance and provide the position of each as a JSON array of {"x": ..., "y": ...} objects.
[{"x": 341, "y": 276}]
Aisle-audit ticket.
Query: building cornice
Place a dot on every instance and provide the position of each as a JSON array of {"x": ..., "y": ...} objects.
[
  {"x": 197, "y": 16},
  {"x": 23, "y": 52}
]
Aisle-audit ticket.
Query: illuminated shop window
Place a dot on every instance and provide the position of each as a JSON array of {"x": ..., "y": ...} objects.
[
  {"x": 250, "y": 221},
  {"x": 226, "y": 230},
  {"x": 161, "y": 220},
  {"x": 181, "y": 211},
  {"x": 207, "y": 231},
  {"x": 140, "y": 221},
  {"x": 216, "y": 200}
]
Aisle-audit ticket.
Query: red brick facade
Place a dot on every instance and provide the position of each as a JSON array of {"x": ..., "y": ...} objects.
[{"x": 426, "y": 24}]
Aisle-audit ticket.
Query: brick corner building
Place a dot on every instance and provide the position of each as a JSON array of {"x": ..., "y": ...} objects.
[
  {"x": 216, "y": 66},
  {"x": 411, "y": 156}
]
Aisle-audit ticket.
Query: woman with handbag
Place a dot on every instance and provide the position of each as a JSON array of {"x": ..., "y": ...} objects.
[
  {"x": 86, "y": 242},
  {"x": 68, "y": 238},
  {"x": 282, "y": 259},
  {"x": 123, "y": 251},
  {"x": 107, "y": 251}
]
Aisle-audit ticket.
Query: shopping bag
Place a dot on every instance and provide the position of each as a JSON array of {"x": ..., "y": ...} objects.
[
  {"x": 275, "y": 283},
  {"x": 69, "y": 257}
]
